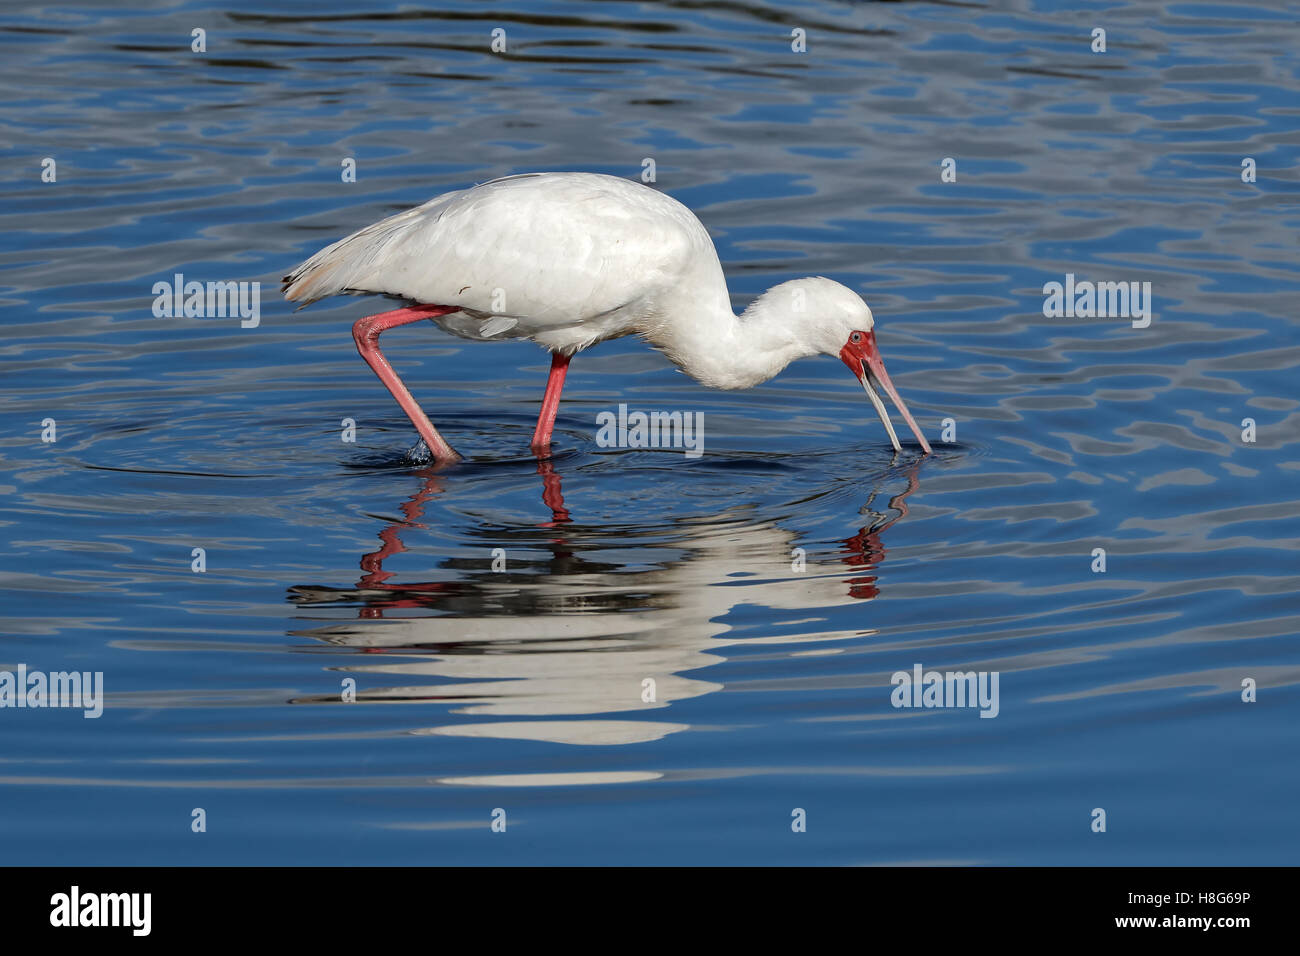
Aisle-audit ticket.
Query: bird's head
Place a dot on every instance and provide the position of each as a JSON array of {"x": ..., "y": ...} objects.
[{"x": 837, "y": 322}]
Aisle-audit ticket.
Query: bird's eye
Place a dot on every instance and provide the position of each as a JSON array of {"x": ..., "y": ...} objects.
[{"x": 855, "y": 337}]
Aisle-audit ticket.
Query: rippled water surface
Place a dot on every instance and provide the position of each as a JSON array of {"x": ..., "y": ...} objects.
[{"x": 520, "y": 688}]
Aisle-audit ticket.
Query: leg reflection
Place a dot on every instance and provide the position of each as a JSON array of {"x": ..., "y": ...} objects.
[{"x": 865, "y": 551}]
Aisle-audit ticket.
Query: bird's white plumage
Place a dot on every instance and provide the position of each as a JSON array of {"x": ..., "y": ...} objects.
[
  {"x": 566, "y": 259},
  {"x": 571, "y": 259}
]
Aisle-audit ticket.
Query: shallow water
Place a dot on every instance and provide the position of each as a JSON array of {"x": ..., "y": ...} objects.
[{"x": 521, "y": 688}]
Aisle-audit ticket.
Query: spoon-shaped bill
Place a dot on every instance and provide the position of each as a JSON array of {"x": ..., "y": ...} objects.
[{"x": 864, "y": 361}]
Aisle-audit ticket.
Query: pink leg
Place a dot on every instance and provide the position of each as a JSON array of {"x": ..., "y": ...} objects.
[
  {"x": 366, "y": 333},
  {"x": 550, "y": 402}
]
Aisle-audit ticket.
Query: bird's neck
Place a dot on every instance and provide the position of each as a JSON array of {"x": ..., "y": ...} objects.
[{"x": 719, "y": 349}]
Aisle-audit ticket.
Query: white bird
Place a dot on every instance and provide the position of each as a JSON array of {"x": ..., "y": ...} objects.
[{"x": 568, "y": 260}]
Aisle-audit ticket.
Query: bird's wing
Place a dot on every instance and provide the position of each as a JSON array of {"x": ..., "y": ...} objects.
[{"x": 552, "y": 249}]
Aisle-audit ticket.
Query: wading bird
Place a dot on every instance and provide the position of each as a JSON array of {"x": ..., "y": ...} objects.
[{"x": 571, "y": 259}]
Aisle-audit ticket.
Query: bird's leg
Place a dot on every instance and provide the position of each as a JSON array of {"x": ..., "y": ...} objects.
[
  {"x": 366, "y": 333},
  {"x": 550, "y": 402}
]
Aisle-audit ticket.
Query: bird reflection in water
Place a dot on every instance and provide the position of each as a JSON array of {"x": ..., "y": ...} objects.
[{"x": 577, "y": 634}]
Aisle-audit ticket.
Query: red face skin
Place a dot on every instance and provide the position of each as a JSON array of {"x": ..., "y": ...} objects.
[{"x": 862, "y": 356}]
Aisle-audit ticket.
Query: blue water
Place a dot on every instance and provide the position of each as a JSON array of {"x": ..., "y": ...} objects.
[{"x": 520, "y": 689}]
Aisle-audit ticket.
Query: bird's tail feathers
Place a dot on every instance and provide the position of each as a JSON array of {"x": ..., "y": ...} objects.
[{"x": 344, "y": 266}]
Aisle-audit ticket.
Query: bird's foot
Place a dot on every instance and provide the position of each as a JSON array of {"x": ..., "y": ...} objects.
[{"x": 420, "y": 454}]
